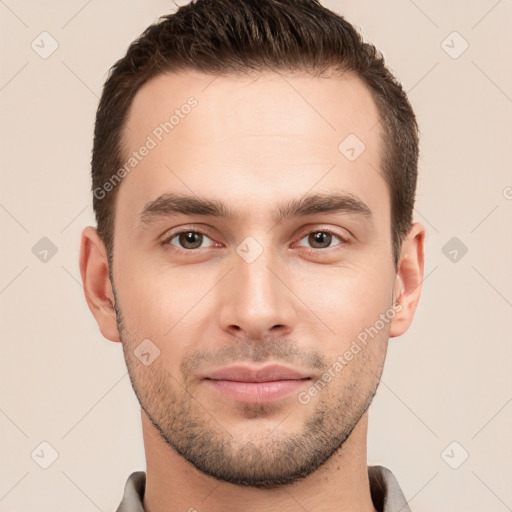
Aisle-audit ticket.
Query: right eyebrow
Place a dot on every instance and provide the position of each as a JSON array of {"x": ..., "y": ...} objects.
[{"x": 168, "y": 205}]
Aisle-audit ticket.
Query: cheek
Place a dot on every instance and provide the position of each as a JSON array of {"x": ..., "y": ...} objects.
[
  {"x": 348, "y": 298},
  {"x": 160, "y": 301}
]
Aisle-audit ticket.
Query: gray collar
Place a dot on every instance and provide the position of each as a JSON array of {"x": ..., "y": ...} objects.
[{"x": 386, "y": 493}]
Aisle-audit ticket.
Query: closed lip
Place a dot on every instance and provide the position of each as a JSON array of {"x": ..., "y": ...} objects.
[{"x": 269, "y": 373}]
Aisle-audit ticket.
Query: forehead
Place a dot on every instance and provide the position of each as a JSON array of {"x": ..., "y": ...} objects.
[
  {"x": 268, "y": 103},
  {"x": 264, "y": 136}
]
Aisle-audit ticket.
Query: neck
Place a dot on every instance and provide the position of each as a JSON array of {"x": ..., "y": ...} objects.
[{"x": 340, "y": 485}]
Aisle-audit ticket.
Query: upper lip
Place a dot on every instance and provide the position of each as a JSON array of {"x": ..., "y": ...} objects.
[{"x": 265, "y": 374}]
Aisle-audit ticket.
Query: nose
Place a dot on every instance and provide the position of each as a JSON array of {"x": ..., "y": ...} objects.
[{"x": 257, "y": 302}]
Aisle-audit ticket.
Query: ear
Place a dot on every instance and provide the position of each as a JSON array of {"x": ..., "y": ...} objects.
[
  {"x": 408, "y": 281},
  {"x": 96, "y": 283}
]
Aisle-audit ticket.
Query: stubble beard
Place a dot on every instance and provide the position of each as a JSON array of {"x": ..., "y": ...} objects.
[{"x": 261, "y": 460}]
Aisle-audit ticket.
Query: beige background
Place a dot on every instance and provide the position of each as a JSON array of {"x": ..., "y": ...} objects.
[{"x": 448, "y": 379}]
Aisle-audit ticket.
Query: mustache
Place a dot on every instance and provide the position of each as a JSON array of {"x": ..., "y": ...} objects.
[{"x": 256, "y": 351}]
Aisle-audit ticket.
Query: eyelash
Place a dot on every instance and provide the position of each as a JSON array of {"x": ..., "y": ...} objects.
[{"x": 343, "y": 240}]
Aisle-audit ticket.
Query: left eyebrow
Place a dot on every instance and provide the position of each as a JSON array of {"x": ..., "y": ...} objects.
[
  {"x": 323, "y": 203},
  {"x": 168, "y": 205}
]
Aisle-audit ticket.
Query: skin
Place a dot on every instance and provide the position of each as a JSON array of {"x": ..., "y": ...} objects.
[{"x": 253, "y": 143}]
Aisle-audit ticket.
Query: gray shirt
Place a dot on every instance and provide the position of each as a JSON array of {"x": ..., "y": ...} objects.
[{"x": 386, "y": 493}]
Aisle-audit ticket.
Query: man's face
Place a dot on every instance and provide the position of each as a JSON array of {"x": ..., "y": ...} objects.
[{"x": 287, "y": 277}]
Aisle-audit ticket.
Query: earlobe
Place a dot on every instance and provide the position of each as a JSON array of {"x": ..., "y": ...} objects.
[
  {"x": 96, "y": 282},
  {"x": 409, "y": 279}
]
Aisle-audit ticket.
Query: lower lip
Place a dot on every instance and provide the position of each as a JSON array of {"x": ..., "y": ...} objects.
[{"x": 257, "y": 392}]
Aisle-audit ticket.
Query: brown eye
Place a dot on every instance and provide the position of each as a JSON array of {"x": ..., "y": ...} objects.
[
  {"x": 322, "y": 240},
  {"x": 190, "y": 240}
]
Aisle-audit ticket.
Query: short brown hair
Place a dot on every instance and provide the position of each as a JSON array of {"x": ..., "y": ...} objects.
[{"x": 239, "y": 36}]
